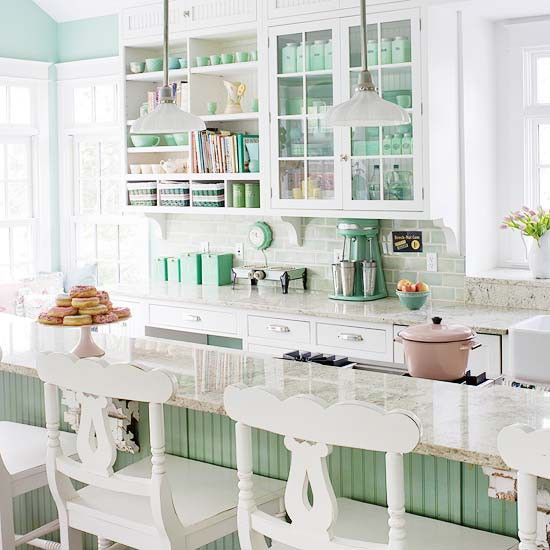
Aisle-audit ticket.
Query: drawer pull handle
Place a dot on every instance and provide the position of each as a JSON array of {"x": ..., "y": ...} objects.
[
  {"x": 194, "y": 318},
  {"x": 350, "y": 337},
  {"x": 277, "y": 328}
]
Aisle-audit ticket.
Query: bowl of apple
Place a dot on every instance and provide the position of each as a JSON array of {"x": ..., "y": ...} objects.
[{"x": 412, "y": 295}]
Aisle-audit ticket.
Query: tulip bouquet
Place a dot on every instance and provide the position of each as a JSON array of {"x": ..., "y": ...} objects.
[{"x": 531, "y": 223}]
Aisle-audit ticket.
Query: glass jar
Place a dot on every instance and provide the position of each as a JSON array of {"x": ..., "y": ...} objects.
[
  {"x": 328, "y": 54},
  {"x": 387, "y": 145},
  {"x": 386, "y": 51},
  {"x": 401, "y": 50},
  {"x": 289, "y": 58},
  {"x": 372, "y": 53},
  {"x": 317, "y": 56},
  {"x": 396, "y": 144},
  {"x": 407, "y": 145}
]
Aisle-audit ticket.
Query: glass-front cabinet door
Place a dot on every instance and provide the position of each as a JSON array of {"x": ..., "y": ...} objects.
[
  {"x": 304, "y": 65},
  {"x": 382, "y": 167}
]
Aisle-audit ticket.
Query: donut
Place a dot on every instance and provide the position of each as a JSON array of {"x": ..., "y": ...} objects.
[
  {"x": 83, "y": 291},
  {"x": 103, "y": 297},
  {"x": 47, "y": 319},
  {"x": 96, "y": 310},
  {"x": 77, "y": 320},
  {"x": 82, "y": 303},
  {"x": 105, "y": 318},
  {"x": 121, "y": 312},
  {"x": 63, "y": 300},
  {"x": 62, "y": 311},
  {"x": 109, "y": 305}
]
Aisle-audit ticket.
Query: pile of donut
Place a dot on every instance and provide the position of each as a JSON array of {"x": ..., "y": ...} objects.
[{"x": 84, "y": 305}]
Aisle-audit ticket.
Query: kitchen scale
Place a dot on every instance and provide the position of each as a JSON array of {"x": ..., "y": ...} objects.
[{"x": 260, "y": 237}]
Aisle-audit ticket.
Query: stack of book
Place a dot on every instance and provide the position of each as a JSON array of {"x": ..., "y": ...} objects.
[
  {"x": 180, "y": 90},
  {"x": 219, "y": 152}
]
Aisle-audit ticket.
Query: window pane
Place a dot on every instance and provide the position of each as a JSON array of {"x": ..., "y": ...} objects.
[
  {"x": 18, "y": 161},
  {"x": 3, "y": 105},
  {"x": 110, "y": 158},
  {"x": 544, "y": 144},
  {"x": 544, "y": 175},
  {"x": 88, "y": 196},
  {"x": 107, "y": 273},
  {"x": 22, "y": 244},
  {"x": 4, "y": 247},
  {"x": 107, "y": 242},
  {"x": 83, "y": 105},
  {"x": 88, "y": 153},
  {"x": 19, "y": 200},
  {"x": 105, "y": 103},
  {"x": 20, "y": 105},
  {"x": 543, "y": 79},
  {"x": 85, "y": 243},
  {"x": 131, "y": 239},
  {"x": 110, "y": 192},
  {"x": 132, "y": 273}
]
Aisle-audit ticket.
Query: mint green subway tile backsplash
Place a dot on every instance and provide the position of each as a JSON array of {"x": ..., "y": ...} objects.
[{"x": 319, "y": 247}]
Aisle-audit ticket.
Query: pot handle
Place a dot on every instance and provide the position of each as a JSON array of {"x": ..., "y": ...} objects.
[
  {"x": 471, "y": 345},
  {"x": 398, "y": 339}
]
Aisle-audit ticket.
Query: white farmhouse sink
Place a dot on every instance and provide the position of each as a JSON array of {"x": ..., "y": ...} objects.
[{"x": 530, "y": 350}]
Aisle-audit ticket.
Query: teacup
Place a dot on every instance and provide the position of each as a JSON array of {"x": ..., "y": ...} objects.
[
  {"x": 212, "y": 107},
  {"x": 202, "y": 60},
  {"x": 146, "y": 169},
  {"x": 255, "y": 105},
  {"x": 169, "y": 140},
  {"x": 404, "y": 101},
  {"x": 137, "y": 67},
  {"x": 242, "y": 57},
  {"x": 169, "y": 166},
  {"x": 254, "y": 55},
  {"x": 183, "y": 62},
  {"x": 173, "y": 62},
  {"x": 181, "y": 139},
  {"x": 215, "y": 59},
  {"x": 156, "y": 168},
  {"x": 135, "y": 168},
  {"x": 228, "y": 58}
]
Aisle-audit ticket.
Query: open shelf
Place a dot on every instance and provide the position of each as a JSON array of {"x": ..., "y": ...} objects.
[
  {"x": 222, "y": 117},
  {"x": 159, "y": 149},
  {"x": 245, "y": 176},
  {"x": 220, "y": 210},
  {"x": 226, "y": 69},
  {"x": 322, "y": 72},
  {"x": 158, "y": 76}
]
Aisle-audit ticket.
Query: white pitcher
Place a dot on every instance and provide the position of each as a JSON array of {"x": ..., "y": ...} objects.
[{"x": 538, "y": 257}]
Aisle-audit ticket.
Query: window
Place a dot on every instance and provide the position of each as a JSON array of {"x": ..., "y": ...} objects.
[
  {"x": 18, "y": 223},
  {"x": 98, "y": 233}
]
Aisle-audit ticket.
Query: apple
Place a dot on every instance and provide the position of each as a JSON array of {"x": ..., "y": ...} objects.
[
  {"x": 402, "y": 284},
  {"x": 410, "y": 288},
  {"x": 422, "y": 287}
]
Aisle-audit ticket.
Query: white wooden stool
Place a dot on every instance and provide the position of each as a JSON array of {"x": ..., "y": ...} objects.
[
  {"x": 527, "y": 451},
  {"x": 23, "y": 469},
  {"x": 162, "y": 502},
  {"x": 309, "y": 428}
]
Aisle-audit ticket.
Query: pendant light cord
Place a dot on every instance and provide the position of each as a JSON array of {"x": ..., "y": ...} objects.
[
  {"x": 364, "y": 66},
  {"x": 165, "y": 45}
]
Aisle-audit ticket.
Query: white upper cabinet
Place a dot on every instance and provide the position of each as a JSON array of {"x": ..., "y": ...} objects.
[
  {"x": 314, "y": 66},
  {"x": 291, "y": 8},
  {"x": 144, "y": 21}
]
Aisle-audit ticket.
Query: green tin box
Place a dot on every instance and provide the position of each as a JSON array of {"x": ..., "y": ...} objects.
[
  {"x": 160, "y": 269},
  {"x": 173, "y": 269},
  {"x": 216, "y": 269},
  {"x": 191, "y": 268}
]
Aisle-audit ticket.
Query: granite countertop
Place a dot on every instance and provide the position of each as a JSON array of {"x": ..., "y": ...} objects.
[
  {"x": 484, "y": 319},
  {"x": 458, "y": 422}
]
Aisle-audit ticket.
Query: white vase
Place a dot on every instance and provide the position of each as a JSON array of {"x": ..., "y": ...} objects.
[{"x": 539, "y": 257}]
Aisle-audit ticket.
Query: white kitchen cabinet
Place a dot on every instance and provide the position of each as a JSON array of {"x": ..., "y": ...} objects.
[
  {"x": 277, "y": 330},
  {"x": 214, "y": 13},
  {"x": 293, "y": 8},
  {"x": 147, "y": 21},
  {"x": 315, "y": 65},
  {"x": 134, "y": 327}
]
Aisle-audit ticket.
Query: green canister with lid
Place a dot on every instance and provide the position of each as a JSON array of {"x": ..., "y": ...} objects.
[
  {"x": 401, "y": 50},
  {"x": 252, "y": 195},
  {"x": 238, "y": 195}
]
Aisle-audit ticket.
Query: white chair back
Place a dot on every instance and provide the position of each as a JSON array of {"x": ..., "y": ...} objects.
[
  {"x": 528, "y": 452},
  {"x": 95, "y": 383},
  {"x": 310, "y": 428}
]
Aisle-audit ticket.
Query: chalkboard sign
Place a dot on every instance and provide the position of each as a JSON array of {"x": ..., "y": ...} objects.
[{"x": 407, "y": 241}]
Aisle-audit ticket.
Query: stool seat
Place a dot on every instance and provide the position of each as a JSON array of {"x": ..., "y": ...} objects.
[
  {"x": 203, "y": 495},
  {"x": 368, "y": 522},
  {"x": 23, "y": 451}
]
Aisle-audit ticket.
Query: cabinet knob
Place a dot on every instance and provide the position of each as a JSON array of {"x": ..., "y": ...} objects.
[
  {"x": 194, "y": 318},
  {"x": 277, "y": 328},
  {"x": 344, "y": 157}
]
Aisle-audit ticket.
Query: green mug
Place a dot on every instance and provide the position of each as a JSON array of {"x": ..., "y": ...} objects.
[
  {"x": 228, "y": 58},
  {"x": 202, "y": 60},
  {"x": 242, "y": 57},
  {"x": 215, "y": 59},
  {"x": 255, "y": 105}
]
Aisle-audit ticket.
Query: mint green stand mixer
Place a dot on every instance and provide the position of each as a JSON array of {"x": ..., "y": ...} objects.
[{"x": 359, "y": 277}]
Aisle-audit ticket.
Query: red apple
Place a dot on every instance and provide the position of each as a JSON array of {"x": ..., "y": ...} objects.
[
  {"x": 402, "y": 284},
  {"x": 422, "y": 287}
]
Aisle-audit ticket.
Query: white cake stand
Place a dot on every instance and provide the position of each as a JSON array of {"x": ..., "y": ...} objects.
[{"x": 86, "y": 347}]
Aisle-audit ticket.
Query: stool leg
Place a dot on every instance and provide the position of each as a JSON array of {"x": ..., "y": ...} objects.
[
  {"x": 527, "y": 511},
  {"x": 103, "y": 544},
  {"x": 7, "y": 530}
]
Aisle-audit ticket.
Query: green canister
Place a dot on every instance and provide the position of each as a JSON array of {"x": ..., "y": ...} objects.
[
  {"x": 328, "y": 54},
  {"x": 386, "y": 51},
  {"x": 401, "y": 50},
  {"x": 252, "y": 195},
  {"x": 238, "y": 195},
  {"x": 372, "y": 52}
]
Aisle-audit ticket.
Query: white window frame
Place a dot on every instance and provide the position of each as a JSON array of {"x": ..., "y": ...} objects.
[
  {"x": 36, "y": 76},
  {"x": 70, "y": 76}
]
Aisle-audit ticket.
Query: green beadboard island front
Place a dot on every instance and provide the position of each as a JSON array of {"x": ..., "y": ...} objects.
[{"x": 444, "y": 478}]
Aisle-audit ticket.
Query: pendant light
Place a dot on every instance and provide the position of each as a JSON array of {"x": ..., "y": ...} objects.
[
  {"x": 366, "y": 107},
  {"x": 167, "y": 118}
]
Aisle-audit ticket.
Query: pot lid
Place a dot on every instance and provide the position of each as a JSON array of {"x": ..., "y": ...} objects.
[{"x": 436, "y": 331}]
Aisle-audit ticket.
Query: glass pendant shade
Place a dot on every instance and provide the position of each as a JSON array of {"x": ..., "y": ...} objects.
[
  {"x": 167, "y": 118},
  {"x": 367, "y": 108}
]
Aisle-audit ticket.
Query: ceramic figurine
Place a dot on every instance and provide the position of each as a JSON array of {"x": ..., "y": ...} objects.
[{"x": 235, "y": 93}]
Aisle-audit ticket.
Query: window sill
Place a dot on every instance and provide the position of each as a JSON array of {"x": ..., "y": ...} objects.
[{"x": 503, "y": 276}]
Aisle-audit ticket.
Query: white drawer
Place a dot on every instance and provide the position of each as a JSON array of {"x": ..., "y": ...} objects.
[
  {"x": 372, "y": 342},
  {"x": 192, "y": 319},
  {"x": 279, "y": 330}
]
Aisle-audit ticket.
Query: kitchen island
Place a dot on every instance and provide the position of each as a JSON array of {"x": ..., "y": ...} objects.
[{"x": 444, "y": 476}]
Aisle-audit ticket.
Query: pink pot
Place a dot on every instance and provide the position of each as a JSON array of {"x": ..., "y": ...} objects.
[{"x": 437, "y": 351}]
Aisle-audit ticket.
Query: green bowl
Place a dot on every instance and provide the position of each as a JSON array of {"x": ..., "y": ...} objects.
[
  {"x": 145, "y": 141},
  {"x": 174, "y": 63},
  {"x": 169, "y": 140},
  {"x": 181, "y": 139},
  {"x": 154, "y": 64},
  {"x": 412, "y": 300}
]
